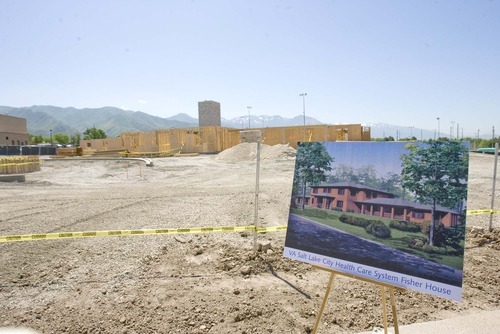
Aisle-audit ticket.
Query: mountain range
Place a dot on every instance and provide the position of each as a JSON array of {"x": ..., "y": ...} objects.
[{"x": 114, "y": 121}]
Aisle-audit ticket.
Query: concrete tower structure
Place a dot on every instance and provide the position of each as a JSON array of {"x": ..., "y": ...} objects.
[
  {"x": 13, "y": 131},
  {"x": 209, "y": 113}
]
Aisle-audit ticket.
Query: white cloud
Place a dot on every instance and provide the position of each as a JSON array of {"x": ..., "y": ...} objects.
[{"x": 142, "y": 101}]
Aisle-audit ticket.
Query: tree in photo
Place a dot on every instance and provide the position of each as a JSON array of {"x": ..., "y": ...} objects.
[
  {"x": 94, "y": 133},
  {"x": 437, "y": 174},
  {"x": 311, "y": 165}
]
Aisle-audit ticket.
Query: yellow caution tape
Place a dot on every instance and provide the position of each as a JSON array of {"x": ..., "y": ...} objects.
[
  {"x": 478, "y": 212},
  {"x": 121, "y": 233},
  {"x": 20, "y": 163},
  {"x": 271, "y": 229},
  {"x": 172, "y": 151}
]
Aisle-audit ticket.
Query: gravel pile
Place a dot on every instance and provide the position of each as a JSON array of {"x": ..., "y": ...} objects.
[{"x": 248, "y": 152}]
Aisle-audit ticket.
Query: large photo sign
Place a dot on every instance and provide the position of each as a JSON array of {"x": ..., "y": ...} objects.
[{"x": 392, "y": 212}]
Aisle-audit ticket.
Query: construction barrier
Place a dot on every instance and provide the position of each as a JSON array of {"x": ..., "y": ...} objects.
[
  {"x": 28, "y": 150},
  {"x": 19, "y": 165},
  {"x": 482, "y": 211},
  {"x": 121, "y": 233}
]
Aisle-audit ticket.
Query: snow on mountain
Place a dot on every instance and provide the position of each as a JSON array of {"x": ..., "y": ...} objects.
[{"x": 262, "y": 121}]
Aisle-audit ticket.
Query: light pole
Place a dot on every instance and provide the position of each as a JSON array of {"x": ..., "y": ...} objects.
[
  {"x": 249, "y": 107},
  {"x": 452, "y": 127},
  {"x": 51, "y": 137},
  {"x": 438, "y": 129},
  {"x": 304, "y": 112}
]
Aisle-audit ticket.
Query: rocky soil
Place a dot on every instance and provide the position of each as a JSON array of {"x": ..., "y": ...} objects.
[{"x": 197, "y": 283}]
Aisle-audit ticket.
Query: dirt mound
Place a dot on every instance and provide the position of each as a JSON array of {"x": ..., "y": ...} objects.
[
  {"x": 480, "y": 236},
  {"x": 198, "y": 283},
  {"x": 248, "y": 152}
]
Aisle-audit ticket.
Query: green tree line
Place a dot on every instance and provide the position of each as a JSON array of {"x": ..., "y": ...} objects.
[{"x": 65, "y": 139}]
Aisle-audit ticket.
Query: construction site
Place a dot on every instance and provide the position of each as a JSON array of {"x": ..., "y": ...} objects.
[
  {"x": 201, "y": 275},
  {"x": 187, "y": 244},
  {"x": 215, "y": 139}
]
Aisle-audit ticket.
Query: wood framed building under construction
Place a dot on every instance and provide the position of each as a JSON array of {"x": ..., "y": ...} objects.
[{"x": 215, "y": 139}]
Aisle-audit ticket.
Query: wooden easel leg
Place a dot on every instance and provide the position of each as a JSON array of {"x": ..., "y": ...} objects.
[
  {"x": 393, "y": 306},
  {"x": 384, "y": 308},
  {"x": 323, "y": 304}
]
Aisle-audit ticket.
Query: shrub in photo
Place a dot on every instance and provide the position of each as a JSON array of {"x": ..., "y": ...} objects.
[
  {"x": 379, "y": 230},
  {"x": 406, "y": 226},
  {"x": 417, "y": 242},
  {"x": 356, "y": 221}
]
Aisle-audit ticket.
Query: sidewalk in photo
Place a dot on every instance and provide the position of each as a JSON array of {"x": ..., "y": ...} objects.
[{"x": 484, "y": 322}]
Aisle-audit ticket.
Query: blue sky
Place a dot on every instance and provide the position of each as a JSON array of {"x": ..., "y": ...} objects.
[{"x": 397, "y": 62}]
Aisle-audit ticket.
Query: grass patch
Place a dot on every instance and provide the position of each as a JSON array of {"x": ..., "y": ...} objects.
[{"x": 398, "y": 240}]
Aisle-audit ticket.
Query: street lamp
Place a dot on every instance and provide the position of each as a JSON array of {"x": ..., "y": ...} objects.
[
  {"x": 249, "y": 116},
  {"x": 51, "y": 137},
  {"x": 304, "y": 111},
  {"x": 452, "y": 127}
]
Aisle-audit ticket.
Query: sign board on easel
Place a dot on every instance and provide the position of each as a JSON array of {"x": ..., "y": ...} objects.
[
  {"x": 390, "y": 212},
  {"x": 383, "y": 287}
]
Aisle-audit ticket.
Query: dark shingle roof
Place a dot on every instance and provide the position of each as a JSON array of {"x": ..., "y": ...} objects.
[
  {"x": 350, "y": 185},
  {"x": 404, "y": 203}
]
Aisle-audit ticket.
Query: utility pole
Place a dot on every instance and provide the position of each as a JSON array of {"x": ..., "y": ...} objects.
[
  {"x": 304, "y": 112},
  {"x": 249, "y": 116}
]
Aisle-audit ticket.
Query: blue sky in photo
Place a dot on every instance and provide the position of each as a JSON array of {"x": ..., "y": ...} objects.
[
  {"x": 389, "y": 61},
  {"x": 384, "y": 156}
]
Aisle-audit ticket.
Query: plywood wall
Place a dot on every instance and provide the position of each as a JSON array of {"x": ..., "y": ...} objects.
[{"x": 214, "y": 139}]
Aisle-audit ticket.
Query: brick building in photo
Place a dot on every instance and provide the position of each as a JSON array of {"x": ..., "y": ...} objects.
[{"x": 357, "y": 198}]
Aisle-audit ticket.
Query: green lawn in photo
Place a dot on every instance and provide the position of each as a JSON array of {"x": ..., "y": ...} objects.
[{"x": 398, "y": 240}]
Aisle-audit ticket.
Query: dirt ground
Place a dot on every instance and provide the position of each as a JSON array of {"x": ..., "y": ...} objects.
[{"x": 196, "y": 283}]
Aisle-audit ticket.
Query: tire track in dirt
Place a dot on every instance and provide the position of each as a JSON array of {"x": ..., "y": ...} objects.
[{"x": 97, "y": 215}]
